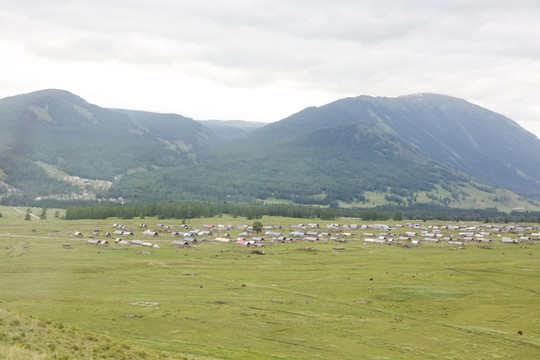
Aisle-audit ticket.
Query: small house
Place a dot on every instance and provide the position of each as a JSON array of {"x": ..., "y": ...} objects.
[
  {"x": 180, "y": 244},
  {"x": 191, "y": 240},
  {"x": 374, "y": 241}
]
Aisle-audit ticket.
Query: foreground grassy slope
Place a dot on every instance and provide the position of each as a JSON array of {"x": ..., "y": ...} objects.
[
  {"x": 298, "y": 301},
  {"x": 25, "y": 338}
]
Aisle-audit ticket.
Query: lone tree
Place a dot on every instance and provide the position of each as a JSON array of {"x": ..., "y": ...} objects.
[
  {"x": 43, "y": 215},
  {"x": 257, "y": 227}
]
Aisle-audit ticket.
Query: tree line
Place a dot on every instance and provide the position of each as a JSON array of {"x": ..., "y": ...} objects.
[
  {"x": 197, "y": 210},
  {"x": 192, "y": 210},
  {"x": 79, "y": 209}
]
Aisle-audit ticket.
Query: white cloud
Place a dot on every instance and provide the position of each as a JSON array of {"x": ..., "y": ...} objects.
[{"x": 263, "y": 59}]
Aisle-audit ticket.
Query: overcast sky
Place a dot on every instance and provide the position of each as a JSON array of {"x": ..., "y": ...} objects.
[{"x": 264, "y": 60}]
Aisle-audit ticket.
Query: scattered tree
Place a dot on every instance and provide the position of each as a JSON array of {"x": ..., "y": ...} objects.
[
  {"x": 43, "y": 215},
  {"x": 257, "y": 227}
]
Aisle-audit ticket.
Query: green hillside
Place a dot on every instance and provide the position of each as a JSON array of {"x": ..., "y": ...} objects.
[
  {"x": 451, "y": 132},
  {"x": 361, "y": 151},
  {"x": 64, "y": 131}
]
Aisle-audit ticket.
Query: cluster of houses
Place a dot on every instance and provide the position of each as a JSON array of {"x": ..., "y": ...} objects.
[
  {"x": 410, "y": 233},
  {"x": 120, "y": 242},
  {"x": 454, "y": 234}
]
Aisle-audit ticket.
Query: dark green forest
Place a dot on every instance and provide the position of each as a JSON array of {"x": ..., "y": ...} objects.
[
  {"x": 256, "y": 211},
  {"x": 322, "y": 169}
]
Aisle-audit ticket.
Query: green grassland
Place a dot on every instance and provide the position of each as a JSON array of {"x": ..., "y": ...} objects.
[
  {"x": 469, "y": 198},
  {"x": 297, "y": 301}
]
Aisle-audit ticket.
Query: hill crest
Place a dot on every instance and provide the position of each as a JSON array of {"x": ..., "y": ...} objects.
[{"x": 338, "y": 152}]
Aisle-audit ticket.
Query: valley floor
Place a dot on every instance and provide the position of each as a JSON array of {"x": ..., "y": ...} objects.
[{"x": 302, "y": 300}]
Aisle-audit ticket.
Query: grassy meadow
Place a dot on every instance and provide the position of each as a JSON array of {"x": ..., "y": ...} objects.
[{"x": 297, "y": 301}]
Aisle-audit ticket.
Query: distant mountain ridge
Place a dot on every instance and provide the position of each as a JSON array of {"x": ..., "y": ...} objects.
[
  {"x": 405, "y": 150},
  {"x": 450, "y": 131},
  {"x": 63, "y": 130},
  {"x": 229, "y": 130}
]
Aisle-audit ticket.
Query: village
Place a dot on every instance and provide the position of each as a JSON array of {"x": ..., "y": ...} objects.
[
  {"x": 473, "y": 282},
  {"x": 258, "y": 235}
]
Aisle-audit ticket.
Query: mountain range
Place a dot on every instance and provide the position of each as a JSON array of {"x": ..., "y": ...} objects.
[{"x": 422, "y": 148}]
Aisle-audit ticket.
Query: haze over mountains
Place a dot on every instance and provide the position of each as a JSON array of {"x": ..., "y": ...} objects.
[{"x": 409, "y": 150}]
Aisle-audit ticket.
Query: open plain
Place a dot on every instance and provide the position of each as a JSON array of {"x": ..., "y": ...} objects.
[{"x": 63, "y": 298}]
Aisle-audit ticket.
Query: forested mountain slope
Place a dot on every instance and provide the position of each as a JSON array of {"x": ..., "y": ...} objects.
[
  {"x": 63, "y": 130},
  {"x": 404, "y": 150},
  {"x": 449, "y": 131}
]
